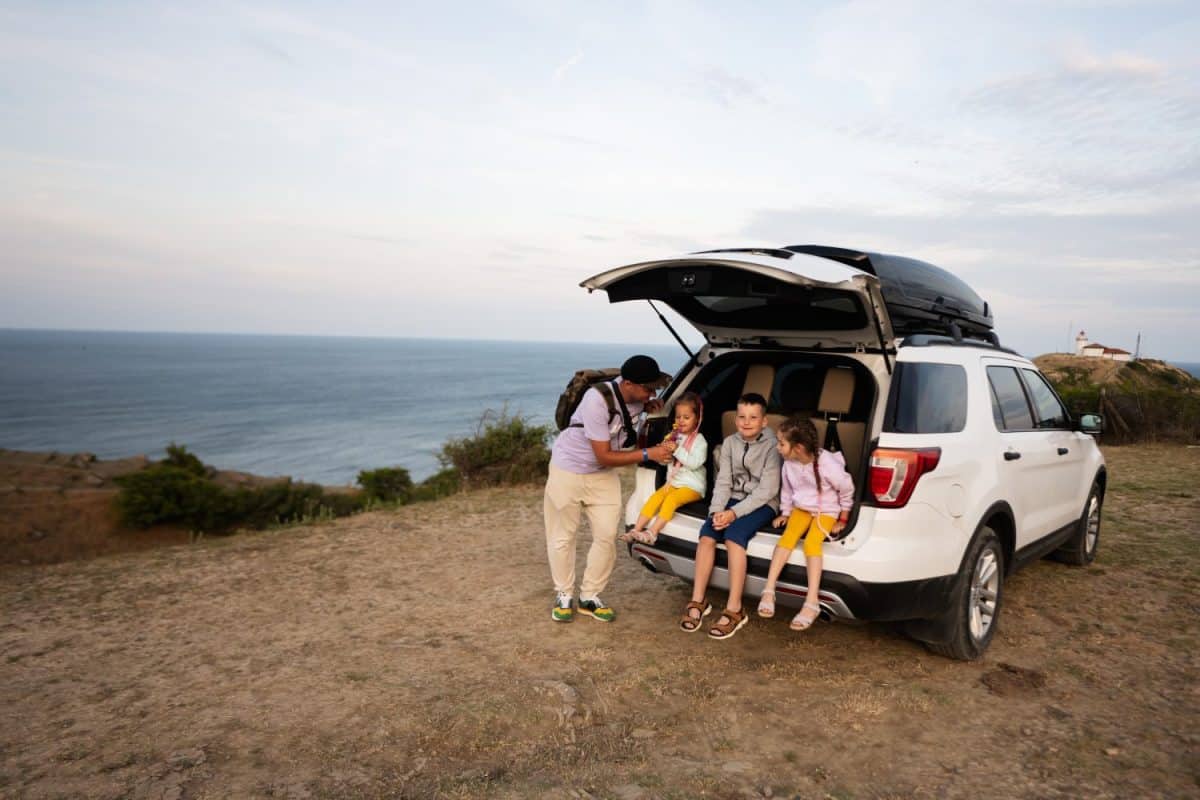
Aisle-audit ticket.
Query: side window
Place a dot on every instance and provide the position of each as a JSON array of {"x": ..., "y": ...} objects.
[
  {"x": 1010, "y": 406},
  {"x": 1050, "y": 411},
  {"x": 927, "y": 398}
]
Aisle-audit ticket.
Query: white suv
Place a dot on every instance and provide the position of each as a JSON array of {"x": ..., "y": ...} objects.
[{"x": 966, "y": 462}]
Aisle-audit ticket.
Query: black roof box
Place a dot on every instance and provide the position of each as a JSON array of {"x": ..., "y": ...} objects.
[{"x": 920, "y": 297}]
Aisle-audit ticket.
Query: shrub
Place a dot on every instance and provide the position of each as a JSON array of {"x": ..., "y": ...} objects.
[
  {"x": 168, "y": 493},
  {"x": 178, "y": 490},
  {"x": 178, "y": 456},
  {"x": 505, "y": 449},
  {"x": 441, "y": 484},
  {"x": 387, "y": 484}
]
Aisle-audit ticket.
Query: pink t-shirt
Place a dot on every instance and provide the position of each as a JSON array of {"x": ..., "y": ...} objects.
[{"x": 573, "y": 448}]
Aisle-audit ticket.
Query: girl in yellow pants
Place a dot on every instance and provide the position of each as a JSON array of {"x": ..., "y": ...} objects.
[
  {"x": 686, "y": 475},
  {"x": 816, "y": 497}
]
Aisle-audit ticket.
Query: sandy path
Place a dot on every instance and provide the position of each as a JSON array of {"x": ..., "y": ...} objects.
[{"x": 411, "y": 654}]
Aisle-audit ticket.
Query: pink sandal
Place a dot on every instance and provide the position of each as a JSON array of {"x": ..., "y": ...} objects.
[
  {"x": 800, "y": 622},
  {"x": 766, "y": 608}
]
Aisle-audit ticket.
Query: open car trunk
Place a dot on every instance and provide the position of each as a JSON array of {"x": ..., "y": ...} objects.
[
  {"x": 838, "y": 392},
  {"x": 749, "y": 299}
]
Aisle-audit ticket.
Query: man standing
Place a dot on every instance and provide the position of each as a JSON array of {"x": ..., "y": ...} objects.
[{"x": 582, "y": 479}]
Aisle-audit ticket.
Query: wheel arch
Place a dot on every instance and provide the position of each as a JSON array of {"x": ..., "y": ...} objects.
[{"x": 1000, "y": 518}]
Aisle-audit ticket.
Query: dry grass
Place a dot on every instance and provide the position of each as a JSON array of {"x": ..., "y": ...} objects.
[{"x": 409, "y": 654}]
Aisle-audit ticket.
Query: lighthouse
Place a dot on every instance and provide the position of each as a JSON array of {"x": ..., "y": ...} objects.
[{"x": 1081, "y": 341}]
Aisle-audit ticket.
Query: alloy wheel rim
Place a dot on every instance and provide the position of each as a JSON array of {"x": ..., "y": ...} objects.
[
  {"x": 1093, "y": 524},
  {"x": 985, "y": 590}
]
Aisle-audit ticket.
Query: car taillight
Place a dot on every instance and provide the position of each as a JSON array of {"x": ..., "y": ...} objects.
[{"x": 895, "y": 472}]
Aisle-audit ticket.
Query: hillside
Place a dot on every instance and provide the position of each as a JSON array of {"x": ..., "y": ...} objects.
[
  {"x": 1142, "y": 401},
  {"x": 1146, "y": 373}
]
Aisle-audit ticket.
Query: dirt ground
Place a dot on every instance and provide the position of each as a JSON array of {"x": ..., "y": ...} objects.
[{"x": 411, "y": 654}]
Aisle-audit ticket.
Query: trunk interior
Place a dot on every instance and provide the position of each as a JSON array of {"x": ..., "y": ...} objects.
[{"x": 836, "y": 392}]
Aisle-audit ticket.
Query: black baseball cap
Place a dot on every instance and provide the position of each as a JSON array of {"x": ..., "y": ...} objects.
[{"x": 644, "y": 370}]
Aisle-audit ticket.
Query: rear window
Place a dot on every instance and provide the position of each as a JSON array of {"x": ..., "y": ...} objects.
[
  {"x": 719, "y": 296},
  {"x": 927, "y": 398}
]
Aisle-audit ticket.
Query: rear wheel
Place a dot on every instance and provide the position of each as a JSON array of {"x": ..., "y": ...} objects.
[
  {"x": 1080, "y": 549},
  {"x": 970, "y": 624}
]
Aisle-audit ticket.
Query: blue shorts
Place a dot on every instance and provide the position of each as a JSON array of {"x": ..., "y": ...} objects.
[{"x": 743, "y": 528}]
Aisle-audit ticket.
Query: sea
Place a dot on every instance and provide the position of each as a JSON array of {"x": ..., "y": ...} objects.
[{"x": 318, "y": 409}]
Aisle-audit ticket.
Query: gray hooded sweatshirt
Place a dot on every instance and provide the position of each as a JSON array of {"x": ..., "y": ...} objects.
[{"x": 748, "y": 472}]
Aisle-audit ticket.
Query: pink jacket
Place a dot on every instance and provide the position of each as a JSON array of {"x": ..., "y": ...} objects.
[{"x": 799, "y": 486}]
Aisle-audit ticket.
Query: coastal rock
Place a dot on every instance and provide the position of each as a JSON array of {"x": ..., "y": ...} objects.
[
  {"x": 81, "y": 460},
  {"x": 93, "y": 479},
  {"x": 36, "y": 535}
]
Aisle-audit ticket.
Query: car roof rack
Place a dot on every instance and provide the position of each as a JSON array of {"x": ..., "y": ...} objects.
[{"x": 938, "y": 340}]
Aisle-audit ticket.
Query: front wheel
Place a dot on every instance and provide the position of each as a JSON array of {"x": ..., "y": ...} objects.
[
  {"x": 970, "y": 623},
  {"x": 1080, "y": 549}
]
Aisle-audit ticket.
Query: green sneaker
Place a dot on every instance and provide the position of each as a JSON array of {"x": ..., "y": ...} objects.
[
  {"x": 596, "y": 609},
  {"x": 564, "y": 608}
]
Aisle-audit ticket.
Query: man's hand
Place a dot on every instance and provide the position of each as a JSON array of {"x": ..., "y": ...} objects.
[
  {"x": 653, "y": 405},
  {"x": 723, "y": 519},
  {"x": 659, "y": 453}
]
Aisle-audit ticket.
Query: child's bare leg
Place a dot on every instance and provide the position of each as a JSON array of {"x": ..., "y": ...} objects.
[
  {"x": 814, "y": 564},
  {"x": 706, "y": 555},
  {"x": 812, "y": 603},
  {"x": 737, "y": 574},
  {"x": 766, "y": 605},
  {"x": 778, "y": 560}
]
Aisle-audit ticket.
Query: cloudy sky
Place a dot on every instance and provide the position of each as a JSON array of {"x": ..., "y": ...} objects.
[{"x": 455, "y": 169}]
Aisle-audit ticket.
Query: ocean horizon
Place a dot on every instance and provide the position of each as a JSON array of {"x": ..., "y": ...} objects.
[{"x": 317, "y": 408}]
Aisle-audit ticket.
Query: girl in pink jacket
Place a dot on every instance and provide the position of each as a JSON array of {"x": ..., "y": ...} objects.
[{"x": 815, "y": 501}]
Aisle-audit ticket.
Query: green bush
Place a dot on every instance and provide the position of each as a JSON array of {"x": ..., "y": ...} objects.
[
  {"x": 441, "y": 484},
  {"x": 168, "y": 493},
  {"x": 178, "y": 456},
  {"x": 178, "y": 490},
  {"x": 387, "y": 484},
  {"x": 504, "y": 450}
]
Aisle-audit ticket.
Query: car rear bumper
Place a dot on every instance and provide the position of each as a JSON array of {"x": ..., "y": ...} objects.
[{"x": 841, "y": 596}]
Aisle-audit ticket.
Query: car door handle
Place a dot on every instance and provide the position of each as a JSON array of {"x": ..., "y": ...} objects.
[
  {"x": 1011, "y": 455},
  {"x": 1062, "y": 451}
]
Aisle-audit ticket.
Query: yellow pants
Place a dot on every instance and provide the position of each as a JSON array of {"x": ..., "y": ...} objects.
[
  {"x": 814, "y": 529},
  {"x": 666, "y": 500}
]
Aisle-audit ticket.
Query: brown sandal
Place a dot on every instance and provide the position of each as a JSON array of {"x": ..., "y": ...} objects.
[
  {"x": 734, "y": 620},
  {"x": 690, "y": 624}
]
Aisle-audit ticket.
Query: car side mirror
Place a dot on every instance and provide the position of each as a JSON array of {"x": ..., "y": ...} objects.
[{"x": 1091, "y": 423}]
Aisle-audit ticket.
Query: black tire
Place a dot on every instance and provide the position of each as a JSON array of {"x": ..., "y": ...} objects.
[
  {"x": 967, "y": 629},
  {"x": 1081, "y": 548}
]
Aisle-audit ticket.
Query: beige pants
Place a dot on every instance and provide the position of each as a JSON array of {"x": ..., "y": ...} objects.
[{"x": 567, "y": 494}]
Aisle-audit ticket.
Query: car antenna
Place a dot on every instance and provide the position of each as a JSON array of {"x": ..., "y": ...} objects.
[{"x": 691, "y": 355}]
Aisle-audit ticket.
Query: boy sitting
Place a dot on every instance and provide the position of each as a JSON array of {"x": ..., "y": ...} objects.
[{"x": 745, "y": 497}]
